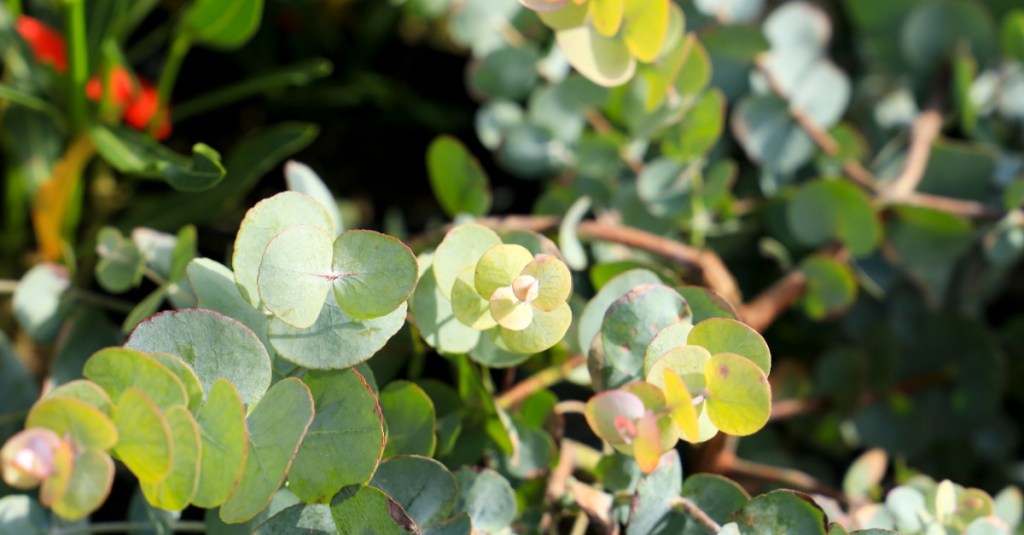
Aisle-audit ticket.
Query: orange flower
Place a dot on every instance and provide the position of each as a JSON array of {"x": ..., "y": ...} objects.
[
  {"x": 46, "y": 43},
  {"x": 139, "y": 102}
]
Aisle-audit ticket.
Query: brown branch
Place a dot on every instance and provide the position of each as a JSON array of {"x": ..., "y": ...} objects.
[
  {"x": 761, "y": 312},
  {"x": 787, "y": 476},
  {"x": 538, "y": 381},
  {"x": 926, "y": 129},
  {"x": 853, "y": 169},
  {"x": 691, "y": 510},
  {"x": 960, "y": 207}
]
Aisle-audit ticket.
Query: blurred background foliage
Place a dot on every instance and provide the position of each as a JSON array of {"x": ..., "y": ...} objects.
[{"x": 862, "y": 159}]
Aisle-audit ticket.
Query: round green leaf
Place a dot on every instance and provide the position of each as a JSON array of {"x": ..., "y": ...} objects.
[
  {"x": 91, "y": 479},
  {"x": 215, "y": 289},
  {"x": 508, "y": 73},
  {"x": 706, "y": 304},
  {"x": 37, "y": 301},
  {"x": 831, "y": 287},
  {"x": 738, "y": 396},
  {"x": 498, "y": 266},
  {"x": 188, "y": 378},
  {"x": 827, "y": 209},
  {"x": 546, "y": 330},
  {"x": 422, "y": 486},
  {"x": 348, "y": 424},
  {"x": 467, "y": 305},
  {"x": 699, "y": 130},
  {"x": 553, "y": 279},
  {"x": 116, "y": 369},
  {"x": 932, "y": 30},
  {"x": 374, "y": 272},
  {"x": 295, "y": 274},
  {"x": 665, "y": 186},
  {"x": 22, "y": 514},
  {"x": 86, "y": 391},
  {"x": 174, "y": 492},
  {"x": 214, "y": 346},
  {"x": 670, "y": 337},
  {"x": 336, "y": 340},
  {"x": 780, "y": 511},
  {"x": 360, "y": 509},
  {"x": 224, "y": 444},
  {"x": 225, "y": 24},
  {"x": 603, "y": 60},
  {"x": 865, "y": 473},
  {"x": 276, "y": 428},
  {"x": 301, "y": 518},
  {"x": 652, "y": 511},
  {"x": 459, "y": 183},
  {"x": 432, "y": 314},
  {"x": 628, "y": 328},
  {"x": 303, "y": 179},
  {"x": 264, "y": 221},
  {"x": 488, "y": 498},
  {"x": 593, "y": 313},
  {"x": 121, "y": 262},
  {"x": 721, "y": 335},
  {"x": 687, "y": 361},
  {"x": 145, "y": 444},
  {"x": 715, "y": 495},
  {"x": 461, "y": 248},
  {"x": 87, "y": 426},
  {"x": 763, "y": 126},
  {"x": 409, "y": 414}
]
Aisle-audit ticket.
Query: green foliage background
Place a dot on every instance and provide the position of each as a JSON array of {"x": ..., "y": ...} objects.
[{"x": 855, "y": 168}]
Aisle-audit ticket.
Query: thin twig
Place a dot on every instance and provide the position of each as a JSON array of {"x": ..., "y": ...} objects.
[
  {"x": 926, "y": 129},
  {"x": 538, "y": 381},
  {"x": 853, "y": 168},
  {"x": 686, "y": 506}
]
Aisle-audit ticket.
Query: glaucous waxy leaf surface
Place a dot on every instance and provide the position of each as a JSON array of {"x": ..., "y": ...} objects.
[
  {"x": 83, "y": 390},
  {"x": 629, "y": 325},
  {"x": 214, "y": 346},
  {"x": 780, "y": 511},
  {"x": 593, "y": 313},
  {"x": 37, "y": 301},
  {"x": 116, "y": 369},
  {"x": 301, "y": 518},
  {"x": 738, "y": 397},
  {"x": 424, "y": 488},
  {"x": 121, "y": 263},
  {"x": 378, "y": 273},
  {"x": 262, "y": 223},
  {"x": 276, "y": 428},
  {"x": 224, "y": 446},
  {"x": 174, "y": 492},
  {"x": 498, "y": 266},
  {"x": 467, "y": 305},
  {"x": 461, "y": 248},
  {"x": 706, "y": 304},
  {"x": 295, "y": 274},
  {"x": 301, "y": 178},
  {"x": 348, "y": 425},
  {"x": 145, "y": 441},
  {"x": 721, "y": 335},
  {"x": 189, "y": 379},
  {"x": 215, "y": 289},
  {"x": 433, "y": 316},
  {"x": 335, "y": 340},
  {"x": 653, "y": 511},
  {"x": 409, "y": 414},
  {"x": 667, "y": 339},
  {"x": 487, "y": 497}
]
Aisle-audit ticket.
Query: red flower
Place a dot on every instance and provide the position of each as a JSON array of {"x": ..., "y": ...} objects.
[
  {"x": 139, "y": 102},
  {"x": 46, "y": 43}
]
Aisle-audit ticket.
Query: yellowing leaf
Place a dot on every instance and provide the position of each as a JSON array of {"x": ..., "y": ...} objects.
[
  {"x": 603, "y": 60},
  {"x": 52, "y": 205},
  {"x": 681, "y": 404},
  {"x": 645, "y": 27},
  {"x": 510, "y": 312},
  {"x": 739, "y": 399},
  {"x": 647, "y": 445},
  {"x": 606, "y": 15}
]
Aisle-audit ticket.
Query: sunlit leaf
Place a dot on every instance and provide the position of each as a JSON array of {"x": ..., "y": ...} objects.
[
  {"x": 145, "y": 444},
  {"x": 604, "y": 60},
  {"x": 739, "y": 398}
]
